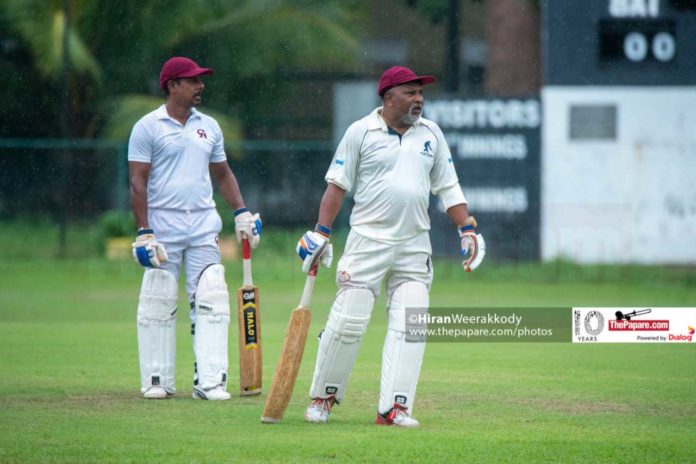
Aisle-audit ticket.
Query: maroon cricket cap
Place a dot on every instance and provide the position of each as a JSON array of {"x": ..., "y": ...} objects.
[
  {"x": 177, "y": 67},
  {"x": 398, "y": 75}
]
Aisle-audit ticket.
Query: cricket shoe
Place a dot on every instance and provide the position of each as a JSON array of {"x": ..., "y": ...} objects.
[
  {"x": 399, "y": 416},
  {"x": 319, "y": 409},
  {"x": 156, "y": 392},
  {"x": 214, "y": 394}
]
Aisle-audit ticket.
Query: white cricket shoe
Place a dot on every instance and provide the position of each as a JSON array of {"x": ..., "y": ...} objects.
[
  {"x": 155, "y": 392},
  {"x": 319, "y": 409},
  {"x": 399, "y": 416},
  {"x": 214, "y": 394}
]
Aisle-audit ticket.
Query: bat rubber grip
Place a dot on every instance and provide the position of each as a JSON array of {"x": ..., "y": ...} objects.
[
  {"x": 313, "y": 271},
  {"x": 246, "y": 248}
]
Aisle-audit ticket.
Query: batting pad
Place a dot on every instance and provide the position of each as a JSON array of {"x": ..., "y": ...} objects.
[
  {"x": 340, "y": 342},
  {"x": 211, "y": 318},
  {"x": 402, "y": 356},
  {"x": 157, "y": 330}
]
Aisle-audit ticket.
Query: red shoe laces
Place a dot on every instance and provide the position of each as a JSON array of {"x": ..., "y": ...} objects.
[
  {"x": 324, "y": 403},
  {"x": 395, "y": 411}
]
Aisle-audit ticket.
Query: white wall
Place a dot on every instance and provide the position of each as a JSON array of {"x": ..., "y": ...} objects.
[
  {"x": 632, "y": 199},
  {"x": 352, "y": 101}
]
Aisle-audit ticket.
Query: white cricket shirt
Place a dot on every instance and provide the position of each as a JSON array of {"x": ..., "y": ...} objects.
[
  {"x": 393, "y": 176},
  {"x": 179, "y": 156}
]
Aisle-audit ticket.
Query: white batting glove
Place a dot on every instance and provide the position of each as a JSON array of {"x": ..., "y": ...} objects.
[
  {"x": 147, "y": 251},
  {"x": 473, "y": 247},
  {"x": 314, "y": 247},
  {"x": 249, "y": 225}
]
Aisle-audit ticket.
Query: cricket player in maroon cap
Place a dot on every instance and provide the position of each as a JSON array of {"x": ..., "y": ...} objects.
[
  {"x": 392, "y": 159},
  {"x": 172, "y": 152}
]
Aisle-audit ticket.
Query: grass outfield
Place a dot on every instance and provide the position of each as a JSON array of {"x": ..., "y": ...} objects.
[{"x": 69, "y": 374}]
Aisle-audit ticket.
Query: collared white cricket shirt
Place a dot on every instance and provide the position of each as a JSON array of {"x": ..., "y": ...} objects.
[
  {"x": 179, "y": 155},
  {"x": 393, "y": 176}
]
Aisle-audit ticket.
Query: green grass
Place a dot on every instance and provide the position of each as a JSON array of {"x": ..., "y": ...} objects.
[{"x": 69, "y": 373}]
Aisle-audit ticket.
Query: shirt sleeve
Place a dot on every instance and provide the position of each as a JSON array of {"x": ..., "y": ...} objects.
[
  {"x": 443, "y": 177},
  {"x": 344, "y": 165},
  {"x": 140, "y": 144},
  {"x": 218, "y": 154}
]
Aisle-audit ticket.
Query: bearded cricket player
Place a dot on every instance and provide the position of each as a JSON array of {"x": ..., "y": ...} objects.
[{"x": 392, "y": 159}]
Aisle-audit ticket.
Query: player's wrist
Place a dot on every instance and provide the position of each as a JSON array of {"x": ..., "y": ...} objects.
[
  {"x": 323, "y": 230},
  {"x": 144, "y": 231},
  {"x": 468, "y": 227},
  {"x": 239, "y": 211}
]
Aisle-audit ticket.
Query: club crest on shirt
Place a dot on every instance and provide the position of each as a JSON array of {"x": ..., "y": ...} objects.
[{"x": 427, "y": 150}]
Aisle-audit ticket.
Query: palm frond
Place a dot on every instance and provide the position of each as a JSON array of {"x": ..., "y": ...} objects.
[{"x": 42, "y": 26}]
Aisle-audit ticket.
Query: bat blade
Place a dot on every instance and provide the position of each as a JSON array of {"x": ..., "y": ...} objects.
[
  {"x": 288, "y": 366},
  {"x": 249, "y": 323}
]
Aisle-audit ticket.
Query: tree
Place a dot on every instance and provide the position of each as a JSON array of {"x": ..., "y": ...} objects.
[
  {"x": 513, "y": 35},
  {"x": 513, "y": 39},
  {"x": 116, "y": 49}
]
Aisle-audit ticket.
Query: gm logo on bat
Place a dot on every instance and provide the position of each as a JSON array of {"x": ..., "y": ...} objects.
[{"x": 249, "y": 312}]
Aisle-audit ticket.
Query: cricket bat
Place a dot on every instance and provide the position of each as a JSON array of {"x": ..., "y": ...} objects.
[
  {"x": 290, "y": 356},
  {"x": 249, "y": 322}
]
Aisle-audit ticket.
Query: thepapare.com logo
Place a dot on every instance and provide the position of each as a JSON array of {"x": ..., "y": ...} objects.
[{"x": 622, "y": 325}]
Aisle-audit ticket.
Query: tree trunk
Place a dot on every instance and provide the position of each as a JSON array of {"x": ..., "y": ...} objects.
[{"x": 513, "y": 35}]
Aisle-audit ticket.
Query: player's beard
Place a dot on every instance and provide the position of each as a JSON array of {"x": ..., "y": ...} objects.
[{"x": 409, "y": 118}]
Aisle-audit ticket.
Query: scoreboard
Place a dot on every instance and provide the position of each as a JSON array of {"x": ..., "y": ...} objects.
[
  {"x": 620, "y": 42},
  {"x": 618, "y": 105}
]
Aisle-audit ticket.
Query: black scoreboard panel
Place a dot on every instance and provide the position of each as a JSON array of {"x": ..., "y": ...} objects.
[
  {"x": 641, "y": 41},
  {"x": 684, "y": 4},
  {"x": 619, "y": 42},
  {"x": 495, "y": 146}
]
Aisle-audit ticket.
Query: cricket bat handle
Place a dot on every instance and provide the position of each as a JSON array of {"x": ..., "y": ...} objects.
[
  {"x": 306, "y": 299},
  {"x": 246, "y": 263}
]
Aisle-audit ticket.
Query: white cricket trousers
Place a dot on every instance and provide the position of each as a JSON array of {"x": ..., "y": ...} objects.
[
  {"x": 366, "y": 263},
  {"x": 191, "y": 238}
]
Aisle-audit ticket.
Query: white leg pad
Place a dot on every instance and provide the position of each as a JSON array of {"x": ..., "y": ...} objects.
[
  {"x": 340, "y": 342},
  {"x": 402, "y": 355},
  {"x": 211, "y": 318},
  {"x": 157, "y": 330}
]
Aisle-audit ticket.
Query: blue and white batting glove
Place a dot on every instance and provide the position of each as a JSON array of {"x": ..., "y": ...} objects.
[
  {"x": 314, "y": 247},
  {"x": 473, "y": 247},
  {"x": 147, "y": 251},
  {"x": 249, "y": 225}
]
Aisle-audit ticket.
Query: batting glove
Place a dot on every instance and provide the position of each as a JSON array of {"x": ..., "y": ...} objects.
[
  {"x": 314, "y": 247},
  {"x": 247, "y": 225},
  {"x": 147, "y": 251},
  {"x": 473, "y": 247}
]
